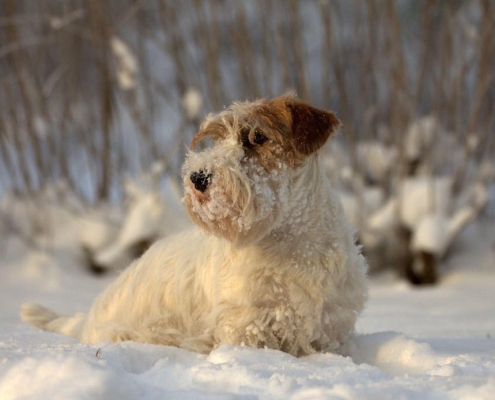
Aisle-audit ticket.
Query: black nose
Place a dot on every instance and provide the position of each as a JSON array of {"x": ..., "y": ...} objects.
[{"x": 201, "y": 180}]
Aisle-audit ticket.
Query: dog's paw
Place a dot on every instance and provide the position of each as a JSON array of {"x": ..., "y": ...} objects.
[{"x": 274, "y": 328}]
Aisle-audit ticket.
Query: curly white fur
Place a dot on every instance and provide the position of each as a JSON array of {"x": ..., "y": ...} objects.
[{"x": 274, "y": 265}]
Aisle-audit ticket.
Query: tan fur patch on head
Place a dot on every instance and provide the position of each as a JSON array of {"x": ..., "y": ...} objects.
[
  {"x": 210, "y": 128},
  {"x": 299, "y": 128},
  {"x": 294, "y": 129},
  {"x": 266, "y": 136}
]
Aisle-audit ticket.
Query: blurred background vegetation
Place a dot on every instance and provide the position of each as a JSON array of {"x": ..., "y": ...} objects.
[{"x": 93, "y": 89}]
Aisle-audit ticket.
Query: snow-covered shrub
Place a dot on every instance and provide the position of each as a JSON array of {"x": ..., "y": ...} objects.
[
  {"x": 152, "y": 209},
  {"x": 409, "y": 200},
  {"x": 100, "y": 237}
]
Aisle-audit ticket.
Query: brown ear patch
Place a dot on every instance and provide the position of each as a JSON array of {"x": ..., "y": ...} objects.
[{"x": 311, "y": 127}]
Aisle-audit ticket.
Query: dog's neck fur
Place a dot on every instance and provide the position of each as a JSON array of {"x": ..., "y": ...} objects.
[{"x": 306, "y": 229}]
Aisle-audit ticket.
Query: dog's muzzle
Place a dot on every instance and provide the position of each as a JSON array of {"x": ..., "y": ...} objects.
[{"x": 200, "y": 180}]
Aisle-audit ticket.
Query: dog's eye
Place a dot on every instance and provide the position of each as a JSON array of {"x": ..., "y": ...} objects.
[
  {"x": 259, "y": 138},
  {"x": 251, "y": 139}
]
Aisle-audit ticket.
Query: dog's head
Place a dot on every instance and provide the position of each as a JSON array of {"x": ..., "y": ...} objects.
[{"x": 239, "y": 188}]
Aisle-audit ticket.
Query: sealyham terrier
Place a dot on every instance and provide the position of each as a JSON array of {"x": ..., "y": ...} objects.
[{"x": 273, "y": 262}]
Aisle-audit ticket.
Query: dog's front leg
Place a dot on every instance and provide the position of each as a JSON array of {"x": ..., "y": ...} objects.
[
  {"x": 269, "y": 325},
  {"x": 245, "y": 325}
]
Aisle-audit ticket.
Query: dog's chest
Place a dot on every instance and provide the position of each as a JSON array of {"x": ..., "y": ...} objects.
[{"x": 259, "y": 279}]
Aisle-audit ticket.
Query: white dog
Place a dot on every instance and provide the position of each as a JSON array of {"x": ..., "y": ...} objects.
[{"x": 274, "y": 263}]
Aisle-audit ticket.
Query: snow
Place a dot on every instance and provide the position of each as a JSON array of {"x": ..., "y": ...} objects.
[
  {"x": 376, "y": 159},
  {"x": 427, "y": 343},
  {"x": 192, "y": 102},
  {"x": 127, "y": 64},
  {"x": 420, "y": 135},
  {"x": 436, "y": 231},
  {"x": 421, "y": 195}
]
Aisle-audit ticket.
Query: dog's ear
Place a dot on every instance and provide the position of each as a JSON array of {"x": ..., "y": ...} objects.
[{"x": 311, "y": 127}]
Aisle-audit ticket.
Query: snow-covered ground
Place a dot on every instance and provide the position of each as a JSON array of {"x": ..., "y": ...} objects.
[{"x": 412, "y": 343}]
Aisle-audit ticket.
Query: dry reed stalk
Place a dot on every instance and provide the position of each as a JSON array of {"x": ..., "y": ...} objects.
[
  {"x": 264, "y": 9},
  {"x": 5, "y": 151},
  {"x": 297, "y": 45},
  {"x": 246, "y": 57},
  {"x": 399, "y": 112},
  {"x": 369, "y": 70},
  {"x": 208, "y": 26},
  {"x": 101, "y": 34},
  {"x": 326, "y": 53},
  {"x": 174, "y": 42},
  {"x": 281, "y": 50},
  {"x": 16, "y": 61},
  {"x": 484, "y": 82}
]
